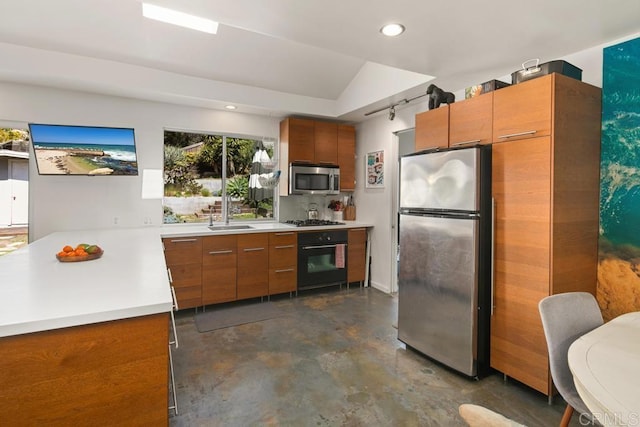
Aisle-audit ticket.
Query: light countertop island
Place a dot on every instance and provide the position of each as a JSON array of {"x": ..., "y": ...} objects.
[
  {"x": 40, "y": 293},
  {"x": 86, "y": 342},
  {"x": 130, "y": 279},
  {"x": 89, "y": 341}
]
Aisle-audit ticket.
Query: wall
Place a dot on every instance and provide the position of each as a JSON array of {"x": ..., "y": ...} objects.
[
  {"x": 59, "y": 203},
  {"x": 73, "y": 203},
  {"x": 375, "y": 205},
  {"x": 619, "y": 245}
]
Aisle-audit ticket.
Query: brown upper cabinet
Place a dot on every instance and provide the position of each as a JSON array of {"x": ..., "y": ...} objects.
[
  {"x": 467, "y": 122},
  {"x": 432, "y": 129},
  {"x": 470, "y": 121},
  {"x": 297, "y": 138},
  {"x": 523, "y": 110},
  {"x": 347, "y": 157},
  {"x": 326, "y": 143},
  {"x": 313, "y": 141}
]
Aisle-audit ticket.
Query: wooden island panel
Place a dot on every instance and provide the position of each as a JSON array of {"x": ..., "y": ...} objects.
[{"x": 110, "y": 373}]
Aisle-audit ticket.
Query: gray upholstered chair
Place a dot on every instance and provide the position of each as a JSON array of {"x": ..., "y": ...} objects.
[{"x": 566, "y": 317}]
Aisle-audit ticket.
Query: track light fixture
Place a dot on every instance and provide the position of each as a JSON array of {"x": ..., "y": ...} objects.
[{"x": 392, "y": 107}]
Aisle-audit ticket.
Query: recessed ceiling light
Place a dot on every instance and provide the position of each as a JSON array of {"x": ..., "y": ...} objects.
[
  {"x": 230, "y": 107},
  {"x": 179, "y": 18},
  {"x": 392, "y": 30}
]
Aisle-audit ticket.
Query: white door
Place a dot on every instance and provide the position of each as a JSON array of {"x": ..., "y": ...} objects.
[{"x": 19, "y": 183}]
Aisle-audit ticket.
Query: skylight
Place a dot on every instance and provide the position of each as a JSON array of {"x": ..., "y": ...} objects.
[{"x": 182, "y": 19}]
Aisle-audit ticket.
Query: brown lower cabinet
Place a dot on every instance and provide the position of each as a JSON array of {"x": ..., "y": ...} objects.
[
  {"x": 283, "y": 262},
  {"x": 108, "y": 373},
  {"x": 219, "y": 258},
  {"x": 183, "y": 256},
  {"x": 356, "y": 255},
  {"x": 253, "y": 265},
  {"x": 217, "y": 269}
]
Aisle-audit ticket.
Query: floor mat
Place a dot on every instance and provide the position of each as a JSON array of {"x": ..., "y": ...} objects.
[{"x": 218, "y": 318}]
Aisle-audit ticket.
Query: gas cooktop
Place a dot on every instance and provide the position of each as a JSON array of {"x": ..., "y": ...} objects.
[{"x": 312, "y": 222}]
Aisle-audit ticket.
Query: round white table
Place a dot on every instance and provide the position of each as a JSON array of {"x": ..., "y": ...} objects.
[{"x": 605, "y": 364}]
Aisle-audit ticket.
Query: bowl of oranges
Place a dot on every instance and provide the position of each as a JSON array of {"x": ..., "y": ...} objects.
[{"x": 81, "y": 252}]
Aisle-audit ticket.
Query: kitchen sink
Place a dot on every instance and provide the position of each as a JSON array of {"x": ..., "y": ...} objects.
[{"x": 229, "y": 227}]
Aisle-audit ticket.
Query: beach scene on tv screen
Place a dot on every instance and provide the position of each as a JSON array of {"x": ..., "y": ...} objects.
[{"x": 83, "y": 150}]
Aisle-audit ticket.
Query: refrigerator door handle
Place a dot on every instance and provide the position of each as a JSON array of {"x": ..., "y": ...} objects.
[{"x": 493, "y": 251}]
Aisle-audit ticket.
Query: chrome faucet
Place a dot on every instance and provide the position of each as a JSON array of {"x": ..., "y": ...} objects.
[
  {"x": 227, "y": 209},
  {"x": 210, "y": 215}
]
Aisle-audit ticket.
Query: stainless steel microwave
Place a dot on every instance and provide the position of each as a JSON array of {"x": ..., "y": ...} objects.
[{"x": 307, "y": 178}]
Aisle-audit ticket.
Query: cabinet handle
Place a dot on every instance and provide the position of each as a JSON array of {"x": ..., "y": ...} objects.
[
  {"x": 175, "y": 333},
  {"x": 286, "y": 270},
  {"x": 512, "y": 135},
  {"x": 288, "y": 233},
  {"x": 227, "y": 251},
  {"x": 175, "y": 300},
  {"x": 253, "y": 249},
  {"x": 283, "y": 247},
  {"x": 170, "y": 277},
  {"x": 323, "y": 246},
  {"x": 183, "y": 240},
  {"x": 473, "y": 141},
  {"x": 493, "y": 251}
]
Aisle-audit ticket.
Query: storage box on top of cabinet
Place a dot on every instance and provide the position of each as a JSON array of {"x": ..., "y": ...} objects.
[{"x": 539, "y": 70}]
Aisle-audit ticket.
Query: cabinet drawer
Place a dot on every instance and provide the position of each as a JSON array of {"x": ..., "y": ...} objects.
[
  {"x": 219, "y": 251},
  {"x": 283, "y": 238},
  {"x": 523, "y": 111},
  {"x": 283, "y": 280},
  {"x": 255, "y": 242},
  {"x": 283, "y": 255},
  {"x": 182, "y": 250},
  {"x": 216, "y": 243},
  {"x": 185, "y": 275},
  {"x": 189, "y": 297}
]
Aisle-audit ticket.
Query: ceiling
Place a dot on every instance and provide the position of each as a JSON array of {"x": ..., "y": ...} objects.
[{"x": 323, "y": 58}]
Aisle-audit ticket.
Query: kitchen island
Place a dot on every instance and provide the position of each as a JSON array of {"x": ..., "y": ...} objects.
[
  {"x": 88, "y": 341},
  {"x": 85, "y": 341}
]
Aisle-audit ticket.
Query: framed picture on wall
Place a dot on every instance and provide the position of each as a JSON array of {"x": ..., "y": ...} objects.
[{"x": 375, "y": 169}]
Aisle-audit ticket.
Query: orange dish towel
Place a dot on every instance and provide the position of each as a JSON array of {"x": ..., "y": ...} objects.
[{"x": 340, "y": 255}]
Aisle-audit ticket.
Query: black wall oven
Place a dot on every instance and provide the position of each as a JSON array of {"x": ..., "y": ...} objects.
[{"x": 322, "y": 258}]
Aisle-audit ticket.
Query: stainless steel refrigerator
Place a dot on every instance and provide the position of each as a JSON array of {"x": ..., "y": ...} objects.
[{"x": 444, "y": 272}]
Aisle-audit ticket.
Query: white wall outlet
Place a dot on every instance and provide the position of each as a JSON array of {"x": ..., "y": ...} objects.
[{"x": 115, "y": 220}]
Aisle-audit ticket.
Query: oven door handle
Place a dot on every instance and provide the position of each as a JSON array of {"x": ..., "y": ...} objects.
[{"x": 323, "y": 246}]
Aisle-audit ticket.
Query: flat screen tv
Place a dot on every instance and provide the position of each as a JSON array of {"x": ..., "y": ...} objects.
[{"x": 83, "y": 150}]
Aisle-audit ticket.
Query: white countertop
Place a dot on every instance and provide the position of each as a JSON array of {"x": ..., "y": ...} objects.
[
  {"x": 176, "y": 230},
  {"x": 40, "y": 293},
  {"x": 605, "y": 364}
]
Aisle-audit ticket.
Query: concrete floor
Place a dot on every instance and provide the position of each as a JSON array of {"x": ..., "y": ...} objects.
[{"x": 333, "y": 359}]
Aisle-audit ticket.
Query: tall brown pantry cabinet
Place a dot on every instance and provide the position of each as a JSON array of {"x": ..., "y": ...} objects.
[{"x": 546, "y": 159}]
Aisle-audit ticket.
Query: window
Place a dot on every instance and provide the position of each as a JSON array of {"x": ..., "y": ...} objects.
[{"x": 218, "y": 178}]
